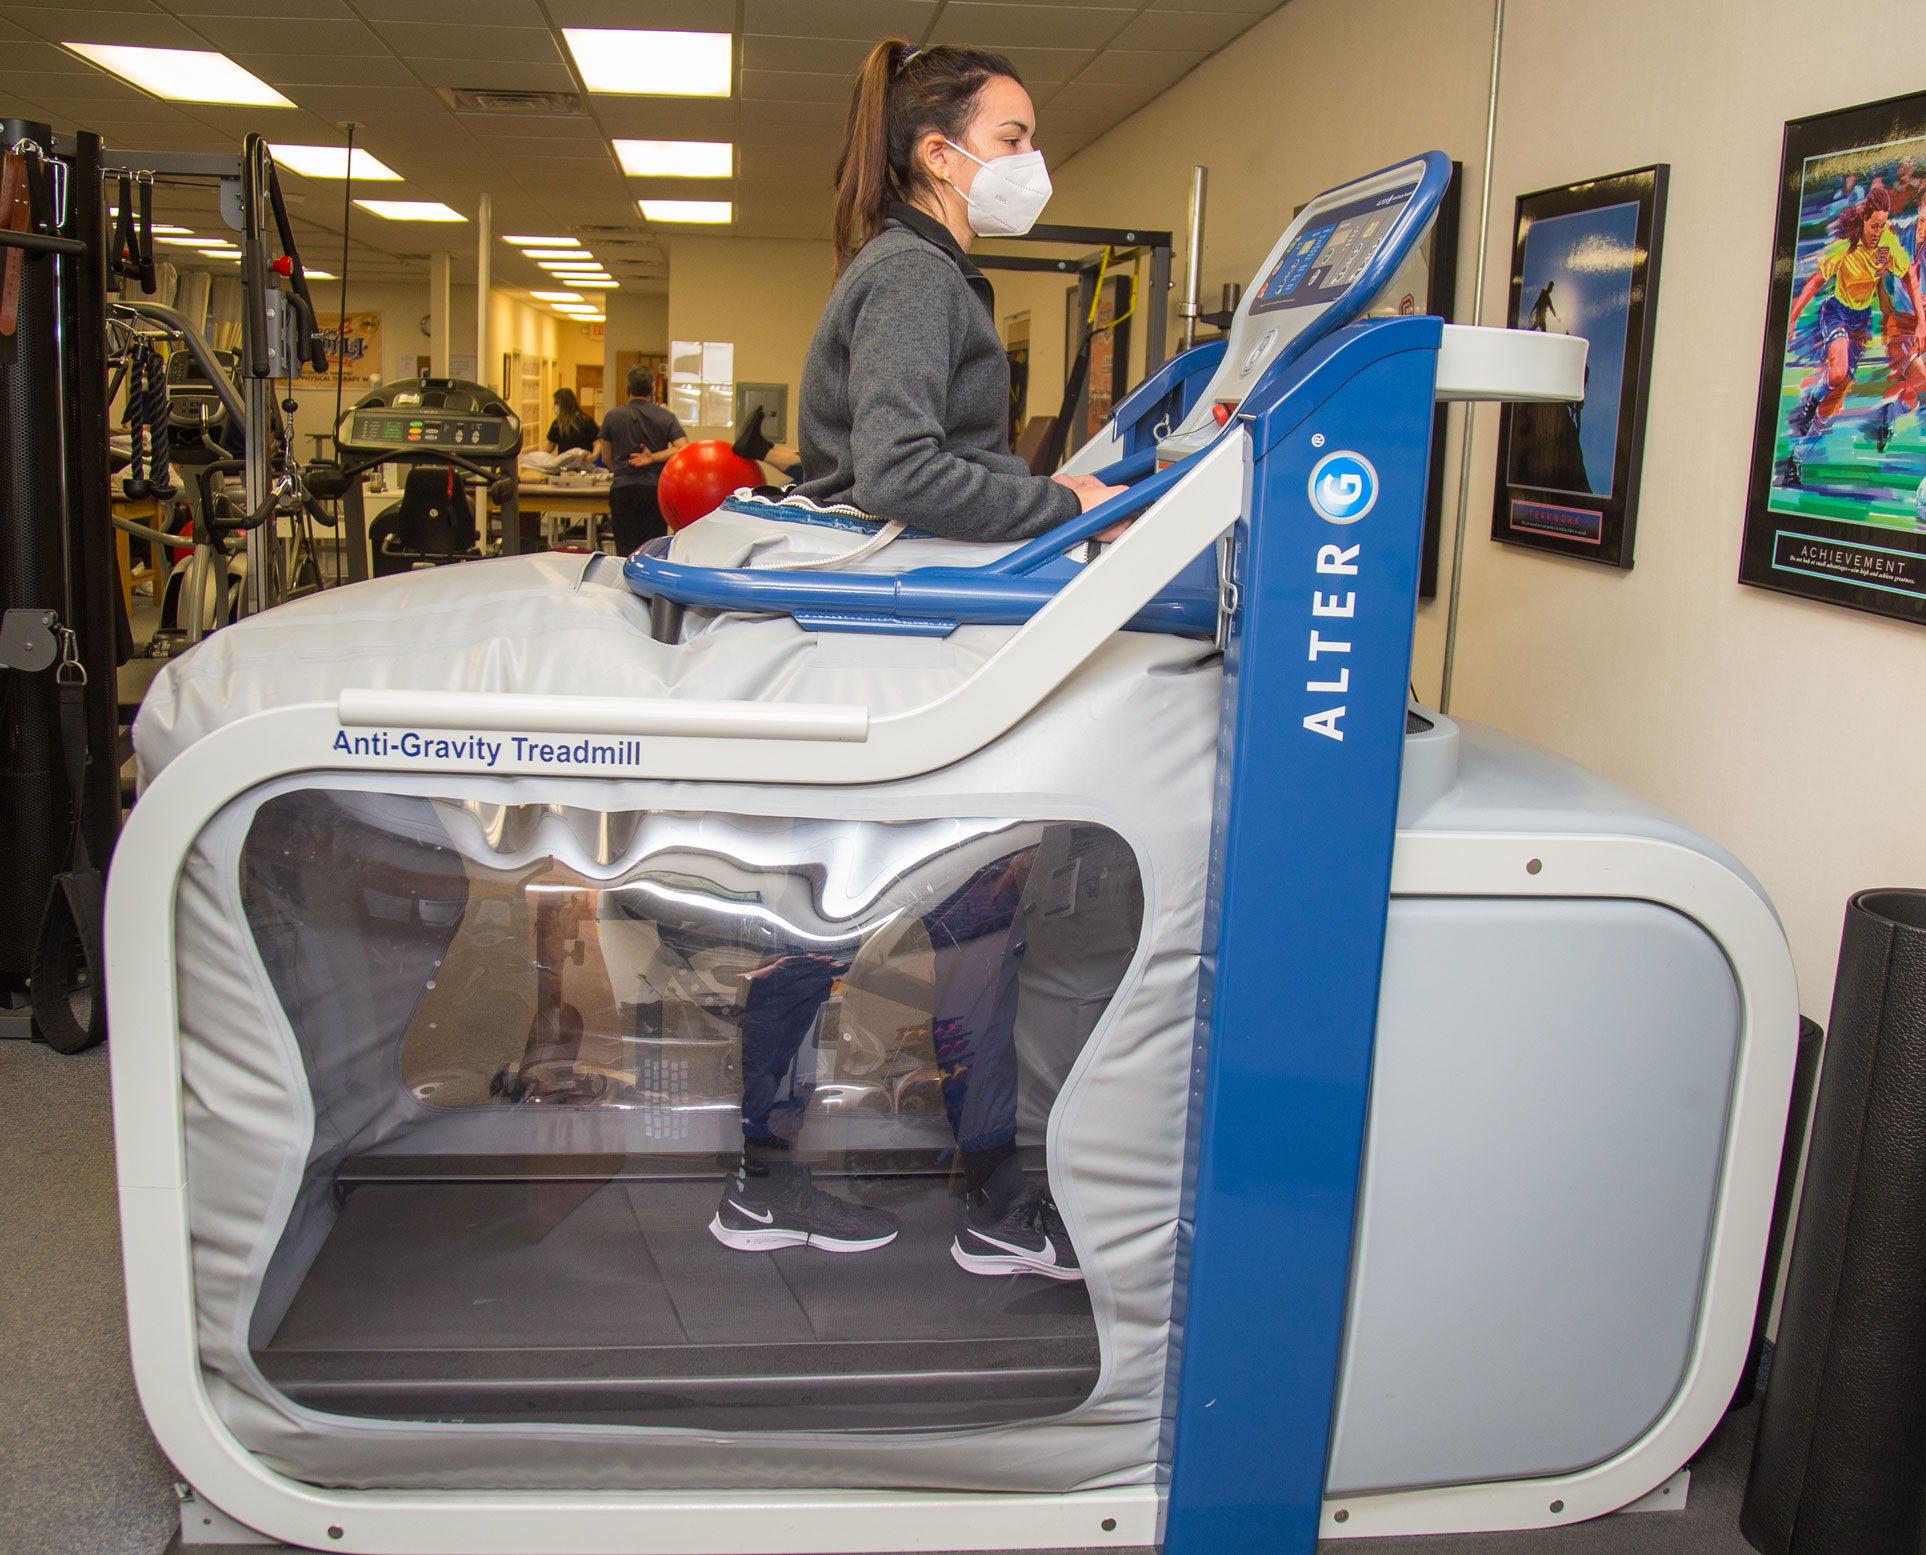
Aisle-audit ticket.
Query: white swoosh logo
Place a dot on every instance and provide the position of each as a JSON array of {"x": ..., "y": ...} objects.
[
  {"x": 1048, "y": 1255},
  {"x": 766, "y": 1218}
]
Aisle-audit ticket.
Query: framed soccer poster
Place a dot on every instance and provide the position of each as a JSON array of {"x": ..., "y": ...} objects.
[
  {"x": 1836, "y": 509},
  {"x": 1585, "y": 261}
]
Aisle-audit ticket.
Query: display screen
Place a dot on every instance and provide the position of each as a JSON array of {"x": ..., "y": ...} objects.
[
  {"x": 1328, "y": 257},
  {"x": 402, "y": 429}
]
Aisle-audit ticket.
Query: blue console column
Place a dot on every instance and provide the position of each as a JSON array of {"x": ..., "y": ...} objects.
[{"x": 1316, "y": 670}]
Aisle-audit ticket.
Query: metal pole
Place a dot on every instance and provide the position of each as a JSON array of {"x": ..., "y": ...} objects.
[
  {"x": 1477, "y": 317},
  {"x": 1157, "y": 325},
  {"x": 484, "y": 248},
  {"x": 1192, "y": 304},
  {"x": 258, "y": 316},
  {"x": 438, "y": 314}
]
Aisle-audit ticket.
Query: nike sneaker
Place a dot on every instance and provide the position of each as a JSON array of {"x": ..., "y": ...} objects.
[
  {"x": 782, "y": 1207},
  {"x": 1011, "y": 1226},
  {"x": 1804, "y": 414}
]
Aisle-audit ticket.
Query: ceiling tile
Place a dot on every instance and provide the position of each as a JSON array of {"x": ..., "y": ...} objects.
[
  {"x": 667, "y": 15},
  {"x": 783, "y": 141},
  {"x": 836, "y": 56},
  {"x": 1146, "y": 67},
  {"x": 1038, "y": 65},
  {"x": 282, "y": 35},
  {"x": 666, "y": 118},
  {"x": 1096, "y": 97},
  {"x": 684, "y": 188},
  {"x": 766, "y": 115},
  {"x": 105, "y": 5},
  {"x": 323, "y": 69},
  {"x": 795, "y": 86},
  {"x": 515, "y": 129},
  {"x": 1188, "y": 30},
  {"x": 148, "y": 29},
  {"x": 323, "y": 9},
  {"x": 1253, "y": 8},
  {"x": 495, "y": 74},
  {"x": 871, "y": 19},
  {"x": 789, "y": 161},
  {"x": 477, "y": 13},
  {"x": 440, "y": 41},
  {"x": 1035, "y": 26}
]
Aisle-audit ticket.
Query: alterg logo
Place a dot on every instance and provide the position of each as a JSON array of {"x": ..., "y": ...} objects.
[{"x": 1344, "y": 487}]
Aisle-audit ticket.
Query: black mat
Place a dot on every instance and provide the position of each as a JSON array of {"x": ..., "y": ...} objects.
[{"x": 611, "y": 1303}]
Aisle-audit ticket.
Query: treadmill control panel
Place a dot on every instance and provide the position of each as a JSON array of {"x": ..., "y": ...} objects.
[
  {"x": 1330, "y": 256},
  {"x": 1348, "y": 251},
  {"x": 414, "y": 429},
  {"x": 449, "y": 416}
]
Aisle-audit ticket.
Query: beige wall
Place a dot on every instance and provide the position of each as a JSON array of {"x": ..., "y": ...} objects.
[
  {"x": 763, "y": 294},
  {"x": 1277, "y": 117},
  {"x": 635, "y": 323},
  {"x": 1781, "y": 728}
]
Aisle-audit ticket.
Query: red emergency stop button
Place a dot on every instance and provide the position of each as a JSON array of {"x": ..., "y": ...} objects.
[
  {"x": 1223, "y": 410},
  {"x": 284, "y": 266}
]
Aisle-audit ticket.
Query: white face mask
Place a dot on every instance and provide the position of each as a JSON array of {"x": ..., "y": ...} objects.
[{"x": 1007, "y": 194}]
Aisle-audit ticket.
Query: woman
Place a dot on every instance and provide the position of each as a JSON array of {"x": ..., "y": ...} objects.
[
  {"x": 906, "y": 399},
  {"x": 905, "y": 396},
  {"x": 572, "y": 427}
]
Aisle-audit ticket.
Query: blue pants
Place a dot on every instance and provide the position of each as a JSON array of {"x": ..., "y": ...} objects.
[{"x": 977, "y": 934}]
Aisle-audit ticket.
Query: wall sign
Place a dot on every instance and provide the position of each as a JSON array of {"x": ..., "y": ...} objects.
[
  {"x": 1585, "y": 261},
  {"x": 355, "y": 349},
  {"x": 1836, "y": 509}
]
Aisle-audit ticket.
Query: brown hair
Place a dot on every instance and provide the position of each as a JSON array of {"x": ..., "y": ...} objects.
[
  {"x": 901, "y": 94},
  {"x": 1850, "y": 223},
  {"x": 570, "y": 419}
]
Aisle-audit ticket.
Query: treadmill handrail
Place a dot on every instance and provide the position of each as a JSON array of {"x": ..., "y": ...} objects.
[{"x": 1205, "y": 501}]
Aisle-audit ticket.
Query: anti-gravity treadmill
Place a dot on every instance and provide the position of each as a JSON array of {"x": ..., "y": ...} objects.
[{"x": 1412, "y": 1097}]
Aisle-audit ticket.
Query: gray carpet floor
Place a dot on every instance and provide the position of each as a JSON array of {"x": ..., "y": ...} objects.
[{"x": 80, "y": 1475}]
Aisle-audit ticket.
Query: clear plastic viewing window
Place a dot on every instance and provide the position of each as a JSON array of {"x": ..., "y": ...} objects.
[{"x": 720, "y": 1121}]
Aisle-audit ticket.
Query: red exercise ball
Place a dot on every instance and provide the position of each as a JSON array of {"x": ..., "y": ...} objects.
[{"x": 697, "y": 478}]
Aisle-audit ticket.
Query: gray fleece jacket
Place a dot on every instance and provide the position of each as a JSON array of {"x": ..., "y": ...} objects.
[{"x": 906, "y": 395}]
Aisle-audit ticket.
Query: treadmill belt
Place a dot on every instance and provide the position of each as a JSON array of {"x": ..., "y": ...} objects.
[{"x": 610, "y": 1303}]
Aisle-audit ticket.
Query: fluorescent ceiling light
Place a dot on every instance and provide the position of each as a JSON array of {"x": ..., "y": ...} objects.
[
  {"x": 558, "y": 296},
  {"x": 652, "y": 64},
  {"x": 187, "y": 242},
  {"x": 221, "y": 253},
  {"x": 317, "y": 275},
  {"x": 677, "y": 158},
  {"x": 543, "y": 242},
  {"x": 557, "y": 253},
  {"x": 687, "y": 210},
  {"x": 183, "y": 75},
  {"x": 561, "y": 267},
  {"x": 411, "y": 210},
  {"x": 332, "y": 162}
]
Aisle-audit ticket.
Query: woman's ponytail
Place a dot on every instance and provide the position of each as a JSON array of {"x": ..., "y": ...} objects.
[
  {"x": 862, "y": 171},
  {"x": 901, "y": 93}
]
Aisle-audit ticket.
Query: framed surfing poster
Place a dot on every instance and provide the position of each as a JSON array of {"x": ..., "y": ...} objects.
[
  {"x": 1836, "y": 507},
  {"x": 1585, "y": 261}
]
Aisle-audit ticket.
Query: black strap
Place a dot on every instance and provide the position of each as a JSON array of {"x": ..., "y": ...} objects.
[
  {"x": 144, "y": 239},
  {"x": 1059, "y": 438},
  {"x": 73, "y": 757},
  {"x": 69, "y": 995},
  {"x": 126, "y": 245}
]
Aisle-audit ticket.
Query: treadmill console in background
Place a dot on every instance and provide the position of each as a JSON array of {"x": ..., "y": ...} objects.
[
  {"x": 1346, "y": 250},
  {"x": 432, "y": 415}
]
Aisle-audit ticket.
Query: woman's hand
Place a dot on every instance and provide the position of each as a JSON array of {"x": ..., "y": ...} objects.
[{"x": 1090, "y": 492}]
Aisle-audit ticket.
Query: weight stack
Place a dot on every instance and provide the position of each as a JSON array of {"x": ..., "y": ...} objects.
[
  {"x": 1839, "y": 1467},
  {"x": 34, "y": 812}
]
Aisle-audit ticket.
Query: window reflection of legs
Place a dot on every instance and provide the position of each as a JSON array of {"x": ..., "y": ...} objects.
[{"x": 772, "y": 1202}]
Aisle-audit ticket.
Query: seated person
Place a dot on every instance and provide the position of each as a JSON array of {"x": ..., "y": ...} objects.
[
  {"x": 906, "y": 391},
  {"x": 572, "y": 427}
]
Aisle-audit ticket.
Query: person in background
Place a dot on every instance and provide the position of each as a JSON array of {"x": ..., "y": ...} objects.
[
  {"x": 572, "y": 427},
  {"x": 637, "y": 440}
]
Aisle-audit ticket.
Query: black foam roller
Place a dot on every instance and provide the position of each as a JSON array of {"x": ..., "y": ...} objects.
[{"x": 1839, "y": 1467}]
